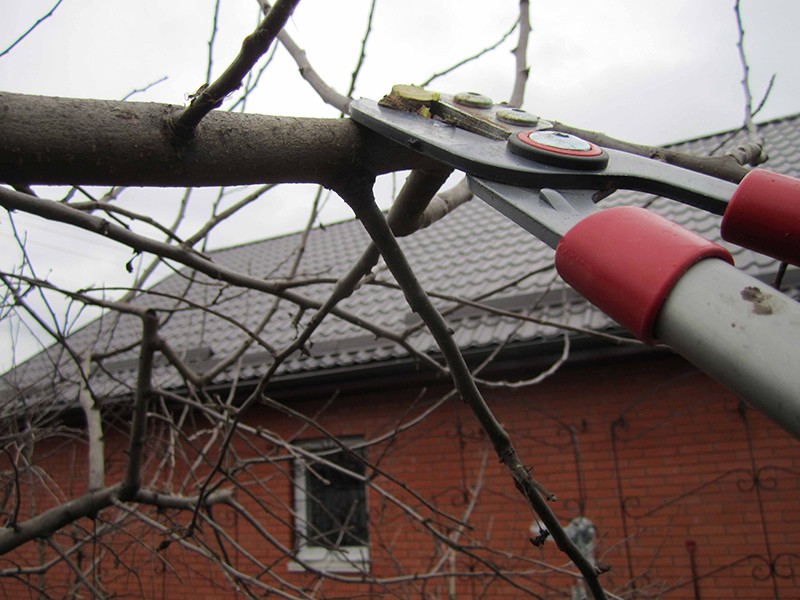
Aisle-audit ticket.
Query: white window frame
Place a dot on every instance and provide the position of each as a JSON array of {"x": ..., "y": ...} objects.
[{"x": 346, "y": 559}]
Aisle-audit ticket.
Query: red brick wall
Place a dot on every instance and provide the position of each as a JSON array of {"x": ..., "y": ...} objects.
[{"x": 655, "y": 454}]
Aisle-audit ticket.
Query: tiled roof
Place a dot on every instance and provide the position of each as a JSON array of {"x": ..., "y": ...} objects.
[{"x": 474, "y": 253}]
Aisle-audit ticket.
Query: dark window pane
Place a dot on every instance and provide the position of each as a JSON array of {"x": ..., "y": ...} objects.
[{"x": 336, "y": 508}]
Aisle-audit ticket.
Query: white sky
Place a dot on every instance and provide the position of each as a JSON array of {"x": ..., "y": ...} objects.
[{"x": 652, "y": 71}]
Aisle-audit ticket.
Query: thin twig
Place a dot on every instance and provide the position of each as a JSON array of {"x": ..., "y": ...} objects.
[
  {"x": 75, "y": 569},
  {"x": 141, "y": 90},
  {"x": 211, "y": 40},
  {"x": 752, "y": 129},
  {"x": 521, "y": 55},
  {"x": 469, "y": 59},
  {"x": 254, "y": 46},
  {"x": 357, "y": 192},
  {"x": 30, "y": 29},
  {"x": 552, "y": 369},
  {"x": 363, "y": 53},
  {"x": 764, "y": 98},
  {"x": 130, "y": 485},
  {"x": 722, "y": 167},
  {"x": 11, "y": 522},
  {"x": 326, "y": 93},
  {"x": 110, "y": 209},
  {"x": 144, "y": 274},
  {"x": 203, "y": 232}
]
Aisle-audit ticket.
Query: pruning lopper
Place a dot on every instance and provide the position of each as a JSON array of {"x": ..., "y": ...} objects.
[{"x": 660, "y": 281}]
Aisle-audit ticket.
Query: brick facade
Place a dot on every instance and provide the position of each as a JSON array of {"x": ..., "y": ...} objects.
[{"x": 667, "y": 465}]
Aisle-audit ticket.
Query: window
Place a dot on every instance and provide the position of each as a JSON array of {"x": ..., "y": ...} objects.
[{"x": 330, "y": 501}]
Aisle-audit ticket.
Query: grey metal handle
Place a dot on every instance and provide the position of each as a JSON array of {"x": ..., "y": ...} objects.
[{"x": 740, "y": 331}]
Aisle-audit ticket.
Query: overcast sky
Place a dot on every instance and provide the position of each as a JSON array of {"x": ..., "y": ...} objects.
[{"x": 652, "y": 71}]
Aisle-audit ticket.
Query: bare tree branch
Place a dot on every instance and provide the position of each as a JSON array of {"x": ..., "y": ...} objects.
[
  {"x": 94, "y": 429},
  {"x": 324, "y": 91},
  {"x": 99, "y": 142},
  {"x": 765, "y": 97},
  {"x": 30, "y": 29},
  {"x": 16, "y": 201},
  {"x": 363, "y": 53},
  {"x": 469, "y": 59},
  {"x": 209, "y": 97},
  {"x": 420, "y": 187},
  {"x": 357, "y": 192},
  {"x": 55, "y": 518},
  {"x": 141, "y": 401},
  {"x": 190, "y": 446},
  {"x": 442, "y": 204},
  {"x": 521, "y": 55},
  {"x": 211, "y": 40},
  {"x": 748, "y": 98},
  {"x": 75, "y": 568},
  {"x": 723, "y": 167},
  {"x": 143, "y": 89}
]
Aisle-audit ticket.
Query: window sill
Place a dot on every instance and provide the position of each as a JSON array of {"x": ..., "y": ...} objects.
[{"x": 349, "y": 559}]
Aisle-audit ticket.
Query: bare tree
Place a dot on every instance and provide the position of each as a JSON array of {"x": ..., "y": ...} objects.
[{"x": 196, "y": 471}]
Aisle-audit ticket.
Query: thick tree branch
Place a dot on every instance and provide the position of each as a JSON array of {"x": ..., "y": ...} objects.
[
  {"x": 439, "y": 207},
  {"x": 165, "y": 501},
  {"x": 414, "y": 197},
  {"x": 64, "y": 141},
  {"x": 89, "y": 505}
]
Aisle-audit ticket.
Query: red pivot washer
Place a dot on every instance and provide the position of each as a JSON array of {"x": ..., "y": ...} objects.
[{"x": 558, "y": 149}]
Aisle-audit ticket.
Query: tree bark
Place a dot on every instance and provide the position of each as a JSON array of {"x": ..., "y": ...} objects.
[{"x": 68, "y": 141}]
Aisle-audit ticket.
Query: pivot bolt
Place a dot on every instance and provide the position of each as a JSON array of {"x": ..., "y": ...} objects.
[
  {"x": 559, "y": 140},
  {"x": 558, "y": 149}
]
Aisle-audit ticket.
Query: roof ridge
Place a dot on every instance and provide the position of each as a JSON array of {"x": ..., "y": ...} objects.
[{"x": 732, "y": 130}]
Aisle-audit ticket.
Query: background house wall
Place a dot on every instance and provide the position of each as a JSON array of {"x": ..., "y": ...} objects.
[{"x": 667, "y": 465}]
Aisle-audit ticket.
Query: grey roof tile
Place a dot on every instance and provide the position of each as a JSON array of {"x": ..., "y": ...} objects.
[{"x": 473, "y": 253}]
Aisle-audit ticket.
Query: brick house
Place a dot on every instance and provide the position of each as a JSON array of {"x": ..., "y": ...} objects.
[{"x": 661, "y": 474}]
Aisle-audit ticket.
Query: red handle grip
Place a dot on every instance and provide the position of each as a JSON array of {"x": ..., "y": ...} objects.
[
  {"x": 625, "y": 261},
  {"x": 764, "y": 215}
]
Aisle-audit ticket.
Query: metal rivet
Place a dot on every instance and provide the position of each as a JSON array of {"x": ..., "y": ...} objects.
[
  {"x": 517, "y": 116},
  {"x": 473, "y": 99}
]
